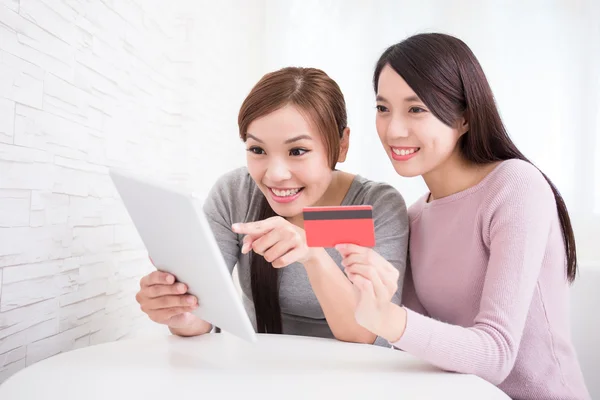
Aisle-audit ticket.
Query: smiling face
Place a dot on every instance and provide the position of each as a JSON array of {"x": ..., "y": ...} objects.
[
  {"x": 414, "y": 139},
  {"x": 288, "y": 160}
]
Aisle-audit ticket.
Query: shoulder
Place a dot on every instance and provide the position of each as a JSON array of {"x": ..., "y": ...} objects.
[
  {"x": 233, "y": 181},
  {"x": 233, "y": 194},
  {"x": 517, "y": 172},
  {"x": 371, "y": 192},
  {"x": 386, "y": 200},
  {"x": 518, "y": 182},
  {"x": 518, "y": 196}
]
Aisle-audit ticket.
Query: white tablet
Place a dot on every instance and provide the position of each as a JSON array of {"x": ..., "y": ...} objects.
[{"x": 180, "y": 241}]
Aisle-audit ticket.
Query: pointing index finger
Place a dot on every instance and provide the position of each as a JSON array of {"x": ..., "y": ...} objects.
[{"x": 257, "y": 228}]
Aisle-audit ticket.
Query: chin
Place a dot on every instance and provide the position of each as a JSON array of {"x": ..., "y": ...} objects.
[
  {"x": 285, "y": 210},
  {"x": 407, "y": 172}
]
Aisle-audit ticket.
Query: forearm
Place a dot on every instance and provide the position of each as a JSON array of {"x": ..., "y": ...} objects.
[
  {"x": 336, "y": 297},
  {"x": 485, "y": 349},
  {"x": 195, "y": 328}
]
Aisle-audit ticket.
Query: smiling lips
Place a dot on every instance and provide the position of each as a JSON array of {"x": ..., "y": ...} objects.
[
  {"x": 285, "y": 195},
  {"x": 404, "y": 153}
]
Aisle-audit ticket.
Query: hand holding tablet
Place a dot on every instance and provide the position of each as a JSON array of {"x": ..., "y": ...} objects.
[{"x": 179, "y": 240}]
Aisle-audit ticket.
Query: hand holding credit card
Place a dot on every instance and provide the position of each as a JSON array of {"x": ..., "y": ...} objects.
[{"x": 329, "y": 226}]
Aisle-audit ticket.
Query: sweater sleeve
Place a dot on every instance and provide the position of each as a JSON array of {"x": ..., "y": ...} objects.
[
  {"x": 226, "y": 204},
  {"x": 519, "y": 226}
]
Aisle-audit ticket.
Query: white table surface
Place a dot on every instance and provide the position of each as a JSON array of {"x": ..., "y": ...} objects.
[{"x": 222, "y": 366}]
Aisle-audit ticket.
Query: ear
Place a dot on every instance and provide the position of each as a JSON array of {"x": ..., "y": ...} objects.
[
  {"x": 344, "y": 144},
  {"x": 463, "y": 125}
]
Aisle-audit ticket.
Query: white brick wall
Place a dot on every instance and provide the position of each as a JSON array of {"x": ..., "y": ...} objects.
[{"x": 145, "y": 85}]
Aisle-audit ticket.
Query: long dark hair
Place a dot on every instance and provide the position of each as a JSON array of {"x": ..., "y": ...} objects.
[
  {"x": 319, "y": 97},
  {"x": 445, "y": 74}
]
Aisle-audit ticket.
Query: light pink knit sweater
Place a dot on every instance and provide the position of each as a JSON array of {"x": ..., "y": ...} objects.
[{"x": 487, "y": 292}]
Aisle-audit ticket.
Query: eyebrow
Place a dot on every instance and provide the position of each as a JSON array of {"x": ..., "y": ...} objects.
[
  {"x": 298, "y": 138},
  {"x": 251, "y": 136},
  {"x": 406, "y": 99},
  {"x": 292, "y": 140}
]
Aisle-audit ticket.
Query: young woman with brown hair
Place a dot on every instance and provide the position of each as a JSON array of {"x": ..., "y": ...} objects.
[{"x": 294, "y": 126}]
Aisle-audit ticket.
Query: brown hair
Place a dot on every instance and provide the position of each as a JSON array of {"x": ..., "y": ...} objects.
[
  {"x": 319, "y": 97},
  {"x": 443, "y": 71}
]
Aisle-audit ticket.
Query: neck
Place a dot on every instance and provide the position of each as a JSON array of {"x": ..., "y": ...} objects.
[{"x": 453, "y": 176}]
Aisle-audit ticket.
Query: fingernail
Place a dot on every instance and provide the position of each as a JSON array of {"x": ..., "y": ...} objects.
[
  {"x": 235, "y": 226},
  {"x": 191, "y": 300},
  {"x": 181, "y": 288},
  {"x": 170, "y": 279}
]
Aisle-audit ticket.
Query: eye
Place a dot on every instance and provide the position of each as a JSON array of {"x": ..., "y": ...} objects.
[
  {"x": 298, "y": 152},
  {"x": 256, "y": 150},
  {"x": 416, "y": 110},
  {"x": 381, "y": 108}
]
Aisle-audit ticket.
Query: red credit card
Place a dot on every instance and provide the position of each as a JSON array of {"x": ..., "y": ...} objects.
[{"x": 329, "y": 226}]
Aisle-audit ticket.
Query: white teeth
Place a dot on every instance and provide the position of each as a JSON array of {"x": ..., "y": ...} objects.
[
  {"x": 285, "y": 193},
  {"x": 403, "y": 152}
]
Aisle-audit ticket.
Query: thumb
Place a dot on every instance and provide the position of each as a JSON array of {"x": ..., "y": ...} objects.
[
  {"x": 181, "y": 320},
  {"x": 247, "y": 244}
]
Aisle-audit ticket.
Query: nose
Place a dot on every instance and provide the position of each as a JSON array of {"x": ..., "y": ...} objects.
[
  {"x": 397, "y": 128},
  {"x": 277, "y": 171}
]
